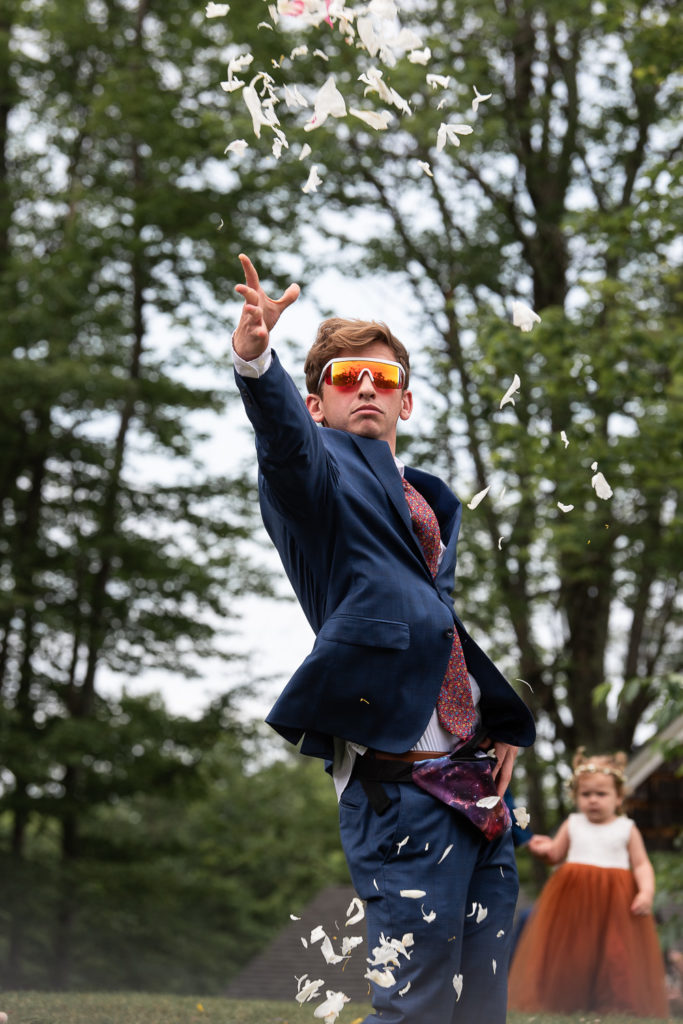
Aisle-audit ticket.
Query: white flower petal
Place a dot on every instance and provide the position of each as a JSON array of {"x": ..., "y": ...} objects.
[
  {"x": 564, "y": 438},
  {"x": 521, "y": 816},
  {"x": 412, "y": 894},
  {"x": 305, "y": 151},
  {"x": 494, "y": 965},
  {"x": 564, "y": 508},
  {"x": 216, "y": 10},
  {"x": 349, "y": 942},
  {"x": 355, "y": 911},
  {"x": 298, "y": 51},
  {"x": 479, "y": 98},
  {"x": 600, "y": 485},
  {"x": 523, "y": 316},
  {"x": 482, "y": 912},
  {"x": 420, "y": 56},
  {"x": 457, "y": 985},
  {"x": 312, "y": 181},
  {"x": 450, "y": 133},
  {"x": 428, "y": 917},
  {"x": 293, "y": 97},
  {"x": 425, "y": 167},
  {"x": 478, "y": 497},
  {"x": 445, "y": 853},
  {"x": 329, "y": 102},
  {"x": 399, "y": 846},
  {"x": 333, "y": 1005},
  {"x": 437, "y": 81},
  {"x": 237, "y": 146},
  {"x": 378, "y": 119},
  {"x": 514, "y": 387},
  {"x": 310, "y": 990},
  {"x": 406, "y": 988},
  {"x": 488, "y": 802},
  {"x": 385, "y": 978}
]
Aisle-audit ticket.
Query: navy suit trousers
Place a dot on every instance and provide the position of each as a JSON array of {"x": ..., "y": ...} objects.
[{"x": 472, "y": 892}]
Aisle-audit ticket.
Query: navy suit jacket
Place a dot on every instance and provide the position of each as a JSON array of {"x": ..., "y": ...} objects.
[{"x": 334, "y": 506}]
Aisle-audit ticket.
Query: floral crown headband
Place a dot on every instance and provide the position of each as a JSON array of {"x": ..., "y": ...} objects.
[{"x": 604, "y": 769}]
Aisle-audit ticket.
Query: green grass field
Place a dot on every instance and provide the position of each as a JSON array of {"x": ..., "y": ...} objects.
[{"x": 145, "y": 1008}]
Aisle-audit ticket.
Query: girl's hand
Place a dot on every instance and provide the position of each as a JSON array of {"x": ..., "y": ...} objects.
[
  {"x": 540, "y": 846},
  {"x": 642, "y": 904}
]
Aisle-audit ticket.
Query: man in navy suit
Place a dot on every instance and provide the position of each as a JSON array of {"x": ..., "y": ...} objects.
[{"x": 393, "y": 680}]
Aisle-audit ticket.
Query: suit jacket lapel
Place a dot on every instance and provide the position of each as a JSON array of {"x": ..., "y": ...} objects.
[{"x": 447, "y": 508}]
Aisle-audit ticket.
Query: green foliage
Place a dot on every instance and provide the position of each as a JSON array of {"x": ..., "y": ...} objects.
[{"x": 191, "y": 852}]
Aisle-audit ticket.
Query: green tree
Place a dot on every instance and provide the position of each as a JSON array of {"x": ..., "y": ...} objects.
[
  {"x": 566, "y": 195},
  {"x": 112, "y": 267}
]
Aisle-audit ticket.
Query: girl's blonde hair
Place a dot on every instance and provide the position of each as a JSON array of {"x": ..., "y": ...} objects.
[{"x": 605, "y": 764}]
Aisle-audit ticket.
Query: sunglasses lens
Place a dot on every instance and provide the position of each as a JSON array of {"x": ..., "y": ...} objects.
[{"x": 347, "y": 373}]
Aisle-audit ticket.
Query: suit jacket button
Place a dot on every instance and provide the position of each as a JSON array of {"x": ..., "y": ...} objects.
[{"x": 450, "y": 633}]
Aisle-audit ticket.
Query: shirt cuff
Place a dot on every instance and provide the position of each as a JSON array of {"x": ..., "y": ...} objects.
[{"x": 253, "y": 367}]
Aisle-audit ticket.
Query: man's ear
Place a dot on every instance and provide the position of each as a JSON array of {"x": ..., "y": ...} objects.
[
  {"x": 406, "y": 405},
  {"x": 315, "y": 407}
]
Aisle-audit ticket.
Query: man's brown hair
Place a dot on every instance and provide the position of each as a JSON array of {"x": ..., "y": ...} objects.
[{"x": 338, "y": 335}]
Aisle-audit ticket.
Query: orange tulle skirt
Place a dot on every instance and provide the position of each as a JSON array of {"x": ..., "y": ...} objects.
[{"x": 583, "y": 949}]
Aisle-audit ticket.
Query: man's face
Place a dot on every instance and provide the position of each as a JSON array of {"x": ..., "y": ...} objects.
[{"x": 363, "y": 408}]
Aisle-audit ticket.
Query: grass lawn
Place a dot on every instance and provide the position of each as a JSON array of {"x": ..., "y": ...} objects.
[{"x": 144, "y": 1008}]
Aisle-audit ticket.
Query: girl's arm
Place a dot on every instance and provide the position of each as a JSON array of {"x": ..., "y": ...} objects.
[
  {"x": 551, "y": 850},
  {"x": 643, "y": 873}
]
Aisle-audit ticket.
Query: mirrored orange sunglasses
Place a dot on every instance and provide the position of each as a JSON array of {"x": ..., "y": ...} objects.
[{"x": 346, "y": 373}]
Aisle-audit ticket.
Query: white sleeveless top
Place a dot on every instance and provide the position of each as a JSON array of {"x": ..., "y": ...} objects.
[{"x": 604, "y": 846}]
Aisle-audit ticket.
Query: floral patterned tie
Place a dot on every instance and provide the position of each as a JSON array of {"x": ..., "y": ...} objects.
[{"x": 454, "y": 706}]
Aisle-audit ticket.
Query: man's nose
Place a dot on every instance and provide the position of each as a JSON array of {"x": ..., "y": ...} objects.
[{"x": 366, "y": 384}]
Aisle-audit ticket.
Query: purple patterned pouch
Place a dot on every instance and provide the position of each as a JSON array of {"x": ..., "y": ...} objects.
[{"x": 466, "y": 785}]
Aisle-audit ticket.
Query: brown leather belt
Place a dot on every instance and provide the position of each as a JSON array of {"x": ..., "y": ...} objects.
[{"x": 410, "y": 756}]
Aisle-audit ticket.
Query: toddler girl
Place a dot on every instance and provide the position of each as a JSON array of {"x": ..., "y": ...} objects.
[{"x": 590, "y": 943}]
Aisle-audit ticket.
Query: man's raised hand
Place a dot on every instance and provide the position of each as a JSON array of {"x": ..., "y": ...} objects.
[{"x": 260, "y": 313}]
